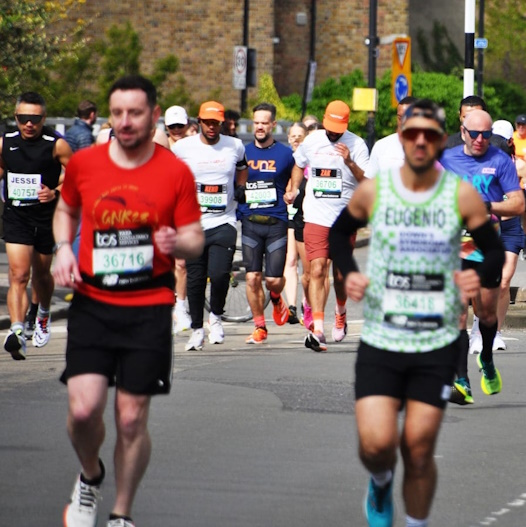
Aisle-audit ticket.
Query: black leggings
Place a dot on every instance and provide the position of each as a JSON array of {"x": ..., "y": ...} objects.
[{"x": 215, "y": 263}]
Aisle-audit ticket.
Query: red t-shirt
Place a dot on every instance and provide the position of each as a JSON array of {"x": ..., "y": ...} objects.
[{"x": 121, "y": 209}]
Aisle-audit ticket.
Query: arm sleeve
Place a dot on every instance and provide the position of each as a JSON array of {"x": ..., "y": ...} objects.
[
  {"x": 488, "y": 241},
  {"x": 340, "y": 248}
]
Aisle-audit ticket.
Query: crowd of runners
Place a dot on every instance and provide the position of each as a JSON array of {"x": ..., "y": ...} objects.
[{"x": 142, "y": 223}]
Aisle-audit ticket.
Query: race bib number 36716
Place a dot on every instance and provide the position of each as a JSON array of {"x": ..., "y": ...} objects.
[{"x": 125, "y": 255}]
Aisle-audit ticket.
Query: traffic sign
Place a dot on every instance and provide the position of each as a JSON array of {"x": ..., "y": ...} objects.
[
  {"x": 400, "y": 70},
  {"x": 239, "y": 77},
  {"x": 481, "y": 43},
  {"x": 401, "y": 87}
]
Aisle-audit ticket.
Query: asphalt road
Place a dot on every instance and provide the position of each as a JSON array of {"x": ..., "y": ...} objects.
[{"x": 259, "y": 436}]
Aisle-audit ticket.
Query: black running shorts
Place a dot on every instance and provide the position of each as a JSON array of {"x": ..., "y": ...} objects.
[
  {"x": 131, "y": 346},
  {"x": 22, "y": 229},
  {"x": 264, "y": 240},
  {"x": 484, "y": 282},
  {"x": 426, "y": 377}
]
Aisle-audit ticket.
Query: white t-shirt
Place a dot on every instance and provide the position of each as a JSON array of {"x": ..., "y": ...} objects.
[
  {"x": 386, "y": 153},
  {"x": 214, "y": 169},
  {"x": 331, "y": 183}
]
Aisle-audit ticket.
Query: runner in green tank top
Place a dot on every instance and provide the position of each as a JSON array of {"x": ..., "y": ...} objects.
[{"x": 413, "y": 290}]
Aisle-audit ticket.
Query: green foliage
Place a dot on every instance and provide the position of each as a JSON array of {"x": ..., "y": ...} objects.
[
  {"x": 119, "y": 55},
  {"x": 267, "y": 93},
  {"x": 504, "y": 100},
  {"x": 28, "y": 46},
  {"x": 504, "y": 28},
  {"x": 440, "y": 55}
]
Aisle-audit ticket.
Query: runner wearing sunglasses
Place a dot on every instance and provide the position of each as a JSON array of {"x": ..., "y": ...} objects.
[
  {"x": 493, "y": 174},
  {"x": 32, "y": 158}
]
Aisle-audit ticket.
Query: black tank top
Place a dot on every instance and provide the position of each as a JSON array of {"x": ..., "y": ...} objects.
[{"x": 28, "y": 162}]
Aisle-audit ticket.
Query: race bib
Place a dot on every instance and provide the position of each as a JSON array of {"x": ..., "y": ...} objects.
[
  {"x": 123, "y": 257},
  {"x": 327, "y": 182},
  {"x": 23, "y": 187},
  {"x": 261, "y": 194},
  {"x": 212, "y": 199},
  {"x": 414, "y": 302}
]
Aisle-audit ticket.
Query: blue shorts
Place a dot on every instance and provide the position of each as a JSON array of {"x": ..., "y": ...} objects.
[{"x": 512, "y": 235}]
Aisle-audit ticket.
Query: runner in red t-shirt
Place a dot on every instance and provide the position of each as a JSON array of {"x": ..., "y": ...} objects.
[{"x": 139, "y": 212}]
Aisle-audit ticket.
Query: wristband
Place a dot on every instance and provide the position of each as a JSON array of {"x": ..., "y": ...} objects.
[{"x": 58, "y": 245}]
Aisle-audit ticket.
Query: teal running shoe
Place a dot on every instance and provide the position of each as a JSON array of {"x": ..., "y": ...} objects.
[
  {"x": 491, "y": 381},
  {"x": 378, "y": 505},
  {"x": 461, "y": 392}
]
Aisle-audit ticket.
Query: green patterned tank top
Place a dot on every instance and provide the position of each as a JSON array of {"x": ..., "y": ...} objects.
[{"x": 412, "y": 303}]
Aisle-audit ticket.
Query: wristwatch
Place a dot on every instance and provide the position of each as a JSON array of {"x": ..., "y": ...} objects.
[{"x": 59, "y": 245}]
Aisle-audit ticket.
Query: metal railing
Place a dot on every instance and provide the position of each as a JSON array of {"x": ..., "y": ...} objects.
[{"x": 61, "y": 124}]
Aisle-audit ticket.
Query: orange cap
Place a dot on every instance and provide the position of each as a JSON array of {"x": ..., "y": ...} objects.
[
  {"x": 336, "y": 117},
  {"x": 212, "y": 110}
]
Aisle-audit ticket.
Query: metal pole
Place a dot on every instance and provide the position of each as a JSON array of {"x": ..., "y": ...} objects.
[
  {"x": 469, "y": 53},
  {"x": 372, "y": 42},
  {"x": 245, "y": 43},
  {"x": 480, "y": 55},
  {"x": 312, "y": 56}
]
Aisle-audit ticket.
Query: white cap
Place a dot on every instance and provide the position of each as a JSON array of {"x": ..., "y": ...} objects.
[
  {"x": 503, "y": 128},
  {"x": 175, "y": 115}
]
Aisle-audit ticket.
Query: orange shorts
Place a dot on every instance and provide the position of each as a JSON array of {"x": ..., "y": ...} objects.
[{"x": 317, "y": 241}]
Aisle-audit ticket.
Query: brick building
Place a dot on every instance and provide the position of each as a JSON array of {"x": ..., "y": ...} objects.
[{"x": 202, "y": 34}]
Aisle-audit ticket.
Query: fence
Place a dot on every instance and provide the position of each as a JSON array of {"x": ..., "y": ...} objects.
[{"x": 61, "y": 124}]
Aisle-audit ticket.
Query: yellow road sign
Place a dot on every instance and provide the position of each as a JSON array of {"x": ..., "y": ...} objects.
[{"x": 401, "y": 70}]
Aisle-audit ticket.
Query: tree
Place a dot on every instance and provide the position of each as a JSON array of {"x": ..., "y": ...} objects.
[
  {"x": 30, "y": 45},
  {"x": 439, "y": 53},
  {"x": 505, "y": 27}
]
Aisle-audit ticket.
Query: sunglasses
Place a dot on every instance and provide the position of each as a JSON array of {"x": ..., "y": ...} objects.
[
  {"x": 486, "y": 134},
  {"x": 24, "y": 118},
  {"x": 176, "y": 125},
  {"x": 430, "y": 135}
]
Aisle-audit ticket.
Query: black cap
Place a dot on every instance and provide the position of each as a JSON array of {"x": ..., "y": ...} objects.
[{"x": 521, "y": 119}]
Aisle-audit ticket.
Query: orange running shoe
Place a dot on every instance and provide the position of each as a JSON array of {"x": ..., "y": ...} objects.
[
  {"x": 258, "y": 336},
  {"x": 280, "y": 311}
]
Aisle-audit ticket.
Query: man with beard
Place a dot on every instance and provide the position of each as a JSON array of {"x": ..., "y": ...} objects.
[
  {"x": 336, "y": 159},
  {"x": 264, "y": 220},
  {"x": 413, "y": 291},
  {"x": 139, "y": 213},
  {"x": 219, "y": 165}
]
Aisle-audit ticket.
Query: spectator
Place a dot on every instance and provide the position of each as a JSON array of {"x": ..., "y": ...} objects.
[
  {"x": 230, "y": 124},
  {"x": 80, "y": 135}
]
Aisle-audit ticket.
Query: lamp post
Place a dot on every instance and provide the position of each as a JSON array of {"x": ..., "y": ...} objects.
[
  {"x": 372, "y": 42},
  {"x": 245, "y": 43},
  {"x": 480, "y": 53}
]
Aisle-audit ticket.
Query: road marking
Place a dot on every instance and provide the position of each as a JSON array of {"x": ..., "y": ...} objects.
[{"x": 493, "y": 519}]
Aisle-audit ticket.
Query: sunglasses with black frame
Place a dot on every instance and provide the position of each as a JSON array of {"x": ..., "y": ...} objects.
[
  {"x": 486, "y": 134},
  {"x": 176, "y": 125},
  {"x": 24, "y": 118}
]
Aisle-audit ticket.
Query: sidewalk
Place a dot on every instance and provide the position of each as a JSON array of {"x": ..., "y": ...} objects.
[{"x": 516, "y": 317}]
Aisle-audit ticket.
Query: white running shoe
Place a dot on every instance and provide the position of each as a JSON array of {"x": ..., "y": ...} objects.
[
  {"x": 120, "y": 522},
  {"x": 196, "y": 340},
  {"x": 217, "y": 334},
  {"x": 475, "y": 343},
  {"x": 498, "y": 342},
  {"x": 42, "y": 331},
  {"x": 82, "y": 511},
  {"x": 182, "y": 321}
]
